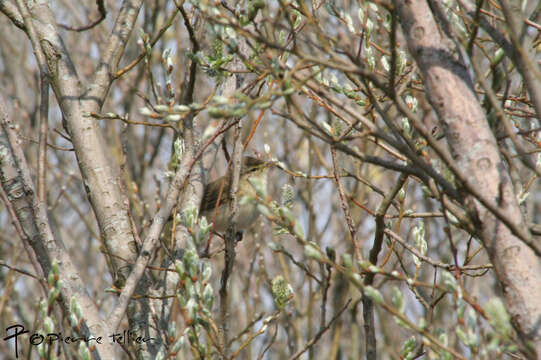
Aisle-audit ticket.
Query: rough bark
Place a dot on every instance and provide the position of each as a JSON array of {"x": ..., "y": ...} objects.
[
  {"x": 31, "y": 214},
  {"x": 102, "y": 181},
  {"x": 475, "y": 151}
]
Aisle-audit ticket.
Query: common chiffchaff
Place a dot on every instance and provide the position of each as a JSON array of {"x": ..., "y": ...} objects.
[{"x": 252, "y": 168}]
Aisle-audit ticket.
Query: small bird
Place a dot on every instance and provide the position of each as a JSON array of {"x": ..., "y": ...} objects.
[{"x": 252, "y": 168}]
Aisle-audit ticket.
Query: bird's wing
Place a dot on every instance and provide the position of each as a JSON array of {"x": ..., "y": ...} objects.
[{"x": 212, "y": 191}]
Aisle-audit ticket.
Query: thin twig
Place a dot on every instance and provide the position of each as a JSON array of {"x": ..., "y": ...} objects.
[
  {"x": 11, "y": 12},
  {"x": 153, "y": 42},
  {"x": 151, "y": 242},
  {"x": 313, "y": 340},
  {"x": 430, "y": 261},
  {"x": 263, "y": 328},
  {"x": 103, "y": 14},
  {"x": 368, "y": 304},
  {"x": 345, "y": 206}
]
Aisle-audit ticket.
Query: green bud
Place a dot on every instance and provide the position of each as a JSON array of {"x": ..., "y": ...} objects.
[
  {"x": 287, "y": 196},
  {"x": 282, "y": 292},
  {"x": 42, "y": 351},
  {"x": 298, "y": 230},
  {"x": 73, "y": 321},
  {"x": 373, "y": 294},
  {"x": 83, "y": 351},
  {"x": 499, "y": 317},
  {"x": 75, "y": 308},
  {"x": 181, "y": 299},
  {"x": 397, "y": 300},
  {"x": 263, "y": 210},
  {"x": 347, "y": 259},
  {"x": 53, "y": 295},
  {"x": 190, "y": 288},
  {"x": 173, "y": 118},
  {"x": 162, "y": 108},
  {"x": 221, "y": 100},
  {"x": 178, "y": 345},
  {"x": 179, "y": 266},
  {"x": 312, "y": 251},
  {"x": 274, "y": 246},
  {"x": 181, "y": 108},
  {"x": 449, "y": 281},
  {"x": 208, "y": 296},
  {"x": 172, "y": 329},
  {"x": 191, "y": 308},
  {"x": 191, "y": 336},
  {"x": 206, "y": 273},
  {"x": 286, "y": 214},
  {"x": 264, "y": 105},
  {"x": 408, "y": 346},
  {"x": 43, "y": 307},
  {"x": 146, "y": 111},
  {"x": 50, "y": 278},
  {"x": 48, "y": 324},
  {"x": 196, "y": 106}
]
